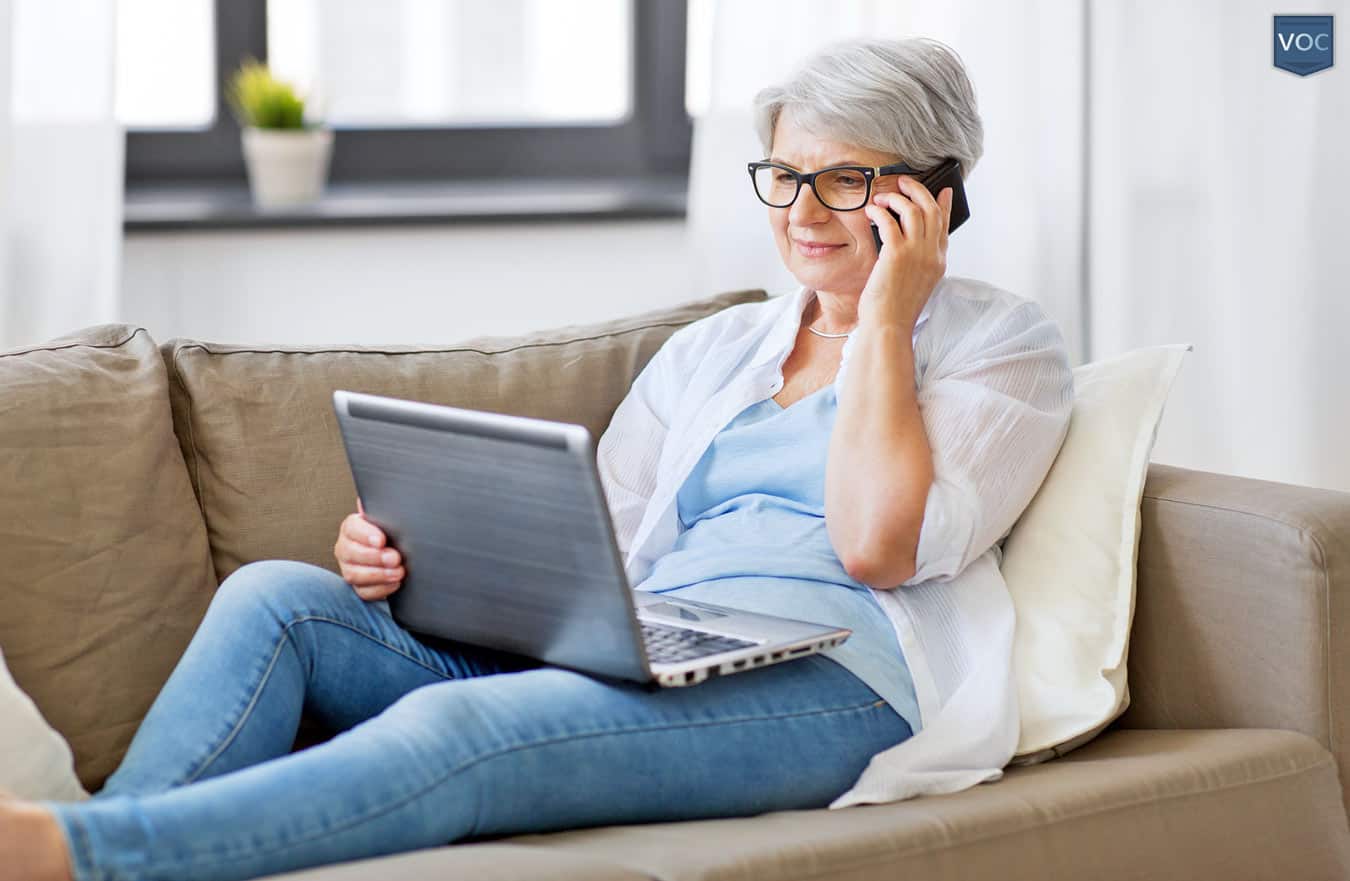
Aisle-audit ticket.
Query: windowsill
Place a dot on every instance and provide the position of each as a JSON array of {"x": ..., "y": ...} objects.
[{"x": 213, "y": 206}]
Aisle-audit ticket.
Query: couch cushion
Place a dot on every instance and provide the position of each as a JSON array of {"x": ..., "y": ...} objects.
[
  {"x": 261, "y": 441},
  {"x": 479, "y": 862},
  {"x": 106, "y": 568},
  {"x": 1251, "y": 804}
]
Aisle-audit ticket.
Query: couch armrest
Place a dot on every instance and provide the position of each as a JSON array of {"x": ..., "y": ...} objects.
[{"x": 1242, "y": 613}]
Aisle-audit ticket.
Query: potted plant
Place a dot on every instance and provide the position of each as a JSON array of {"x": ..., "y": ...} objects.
[{"x": 286, "y": 159}]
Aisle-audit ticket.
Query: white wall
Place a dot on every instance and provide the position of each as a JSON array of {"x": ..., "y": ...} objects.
[
  {"x": 404, "y": 284},
  {"x": 1219, "y": 193}
]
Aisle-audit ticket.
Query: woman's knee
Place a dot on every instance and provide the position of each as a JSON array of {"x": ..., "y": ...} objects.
[
  {"x": 461, "y": 720},
  {"x": 283, "y": 587}
]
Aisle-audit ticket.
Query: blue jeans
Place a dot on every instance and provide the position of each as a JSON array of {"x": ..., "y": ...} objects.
[{"x": 441, "y": 741}]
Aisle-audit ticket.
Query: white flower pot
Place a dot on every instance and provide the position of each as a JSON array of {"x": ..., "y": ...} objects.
[{"x": 286, "y": 167}]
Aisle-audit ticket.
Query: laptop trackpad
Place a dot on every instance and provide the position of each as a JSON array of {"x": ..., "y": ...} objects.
[{"x": 686, "y": 613}]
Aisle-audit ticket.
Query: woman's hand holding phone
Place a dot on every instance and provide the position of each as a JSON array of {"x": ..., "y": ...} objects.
[
  {"x": 913, "y": 256},
  {"x": 948, "y": 174}
]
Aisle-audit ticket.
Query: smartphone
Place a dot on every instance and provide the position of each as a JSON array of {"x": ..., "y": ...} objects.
[{"x": 945, "y": 174}]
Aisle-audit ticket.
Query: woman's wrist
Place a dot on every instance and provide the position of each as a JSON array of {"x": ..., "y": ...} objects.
[
  {"x": 886, "y": 326},
  {"x": 883, "y": 352}
]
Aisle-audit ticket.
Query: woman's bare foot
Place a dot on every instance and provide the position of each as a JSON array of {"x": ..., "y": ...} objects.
[{"x": 32, "y": 847}]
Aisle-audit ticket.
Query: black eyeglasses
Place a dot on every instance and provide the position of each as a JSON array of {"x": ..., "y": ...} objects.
[{"x": 839, "y": 188}]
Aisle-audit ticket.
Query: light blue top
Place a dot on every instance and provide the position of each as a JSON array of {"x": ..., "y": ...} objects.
[{"x": 752, "y": 519}]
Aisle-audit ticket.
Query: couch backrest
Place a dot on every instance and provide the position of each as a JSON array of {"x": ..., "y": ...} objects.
[
  {"x": 261, "y": 441},
  {"x": 106, "y": 567}
]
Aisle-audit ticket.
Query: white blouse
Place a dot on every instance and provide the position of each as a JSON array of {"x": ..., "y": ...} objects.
[{"x": 995, "y": 390}]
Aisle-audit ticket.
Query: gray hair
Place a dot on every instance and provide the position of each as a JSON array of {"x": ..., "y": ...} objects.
[{"x": 909, "y": 97}]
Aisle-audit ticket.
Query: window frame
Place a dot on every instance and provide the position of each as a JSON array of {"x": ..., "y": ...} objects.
[{"x": 654, "y": 140}]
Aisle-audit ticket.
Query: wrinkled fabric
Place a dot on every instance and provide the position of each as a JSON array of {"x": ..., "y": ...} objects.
[
  {"x": 752, "y": 516},
  {"x": 995, "y": 391}
]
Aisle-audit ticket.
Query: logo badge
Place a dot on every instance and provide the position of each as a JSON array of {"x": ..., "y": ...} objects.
[{"x": 1304, "y": 44}]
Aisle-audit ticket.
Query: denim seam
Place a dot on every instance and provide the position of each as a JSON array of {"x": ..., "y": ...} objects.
[
  {"x": 731, "y": 721},
  {"x": 375, "y": 639},
  {"x": 250, "y": 851},
  {"x": 262, "y": 683},
  {"x": 243, "y": 717}
]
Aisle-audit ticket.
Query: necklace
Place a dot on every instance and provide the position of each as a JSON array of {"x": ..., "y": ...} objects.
[
  {"x": 828, "y": 336},
  {"x": 831, "y": 336}
]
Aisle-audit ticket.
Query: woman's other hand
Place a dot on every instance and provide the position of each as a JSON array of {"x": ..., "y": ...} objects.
[
  {"x": 368, "y": 565},
  {"x": 913, "y": 258}
]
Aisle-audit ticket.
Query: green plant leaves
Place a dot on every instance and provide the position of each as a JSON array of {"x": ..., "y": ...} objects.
[{"x": 260, "y": 100}]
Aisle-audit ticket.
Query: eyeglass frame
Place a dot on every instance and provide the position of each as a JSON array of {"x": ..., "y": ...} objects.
[{"x": 869, "y": 173}]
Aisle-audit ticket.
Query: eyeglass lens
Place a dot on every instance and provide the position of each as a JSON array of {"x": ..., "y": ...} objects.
[{"x": 841, "y": 189}]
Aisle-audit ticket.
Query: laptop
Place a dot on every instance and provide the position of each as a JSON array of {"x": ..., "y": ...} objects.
[{"x": 507, "y": 542}]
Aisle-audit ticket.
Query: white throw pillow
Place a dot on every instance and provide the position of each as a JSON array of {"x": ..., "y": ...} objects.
[
  {"x": 35, "y": 761},
  {"x": 1069, "y": 561}
]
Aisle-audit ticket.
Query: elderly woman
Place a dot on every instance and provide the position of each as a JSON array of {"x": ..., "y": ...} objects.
[{"x": 851, "y": 453}]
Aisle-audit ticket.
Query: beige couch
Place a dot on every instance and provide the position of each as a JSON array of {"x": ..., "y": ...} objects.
[{"x": 136, "y": 476}]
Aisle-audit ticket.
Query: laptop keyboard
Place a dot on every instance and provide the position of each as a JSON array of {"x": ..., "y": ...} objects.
[{"x": 670, "y": 645}]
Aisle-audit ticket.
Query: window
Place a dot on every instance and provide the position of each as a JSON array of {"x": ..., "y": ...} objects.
[
  {"x": 165, "y": 64},
  {"x": 415, "y": 89},
  {"x": 457, "y": 62}
]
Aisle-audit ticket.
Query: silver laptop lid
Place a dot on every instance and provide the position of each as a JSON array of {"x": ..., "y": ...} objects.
[{"x": 504, "y": 530}]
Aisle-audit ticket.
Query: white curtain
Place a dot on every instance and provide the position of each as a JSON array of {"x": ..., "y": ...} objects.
[
  {"x": 6, "y": 157},
  {"x": 1176, "y": 187},
  {"x": 1220, "y": 216},
  {"x": 1026, "y": 196},
  {"x": 61, "y": 173}
]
